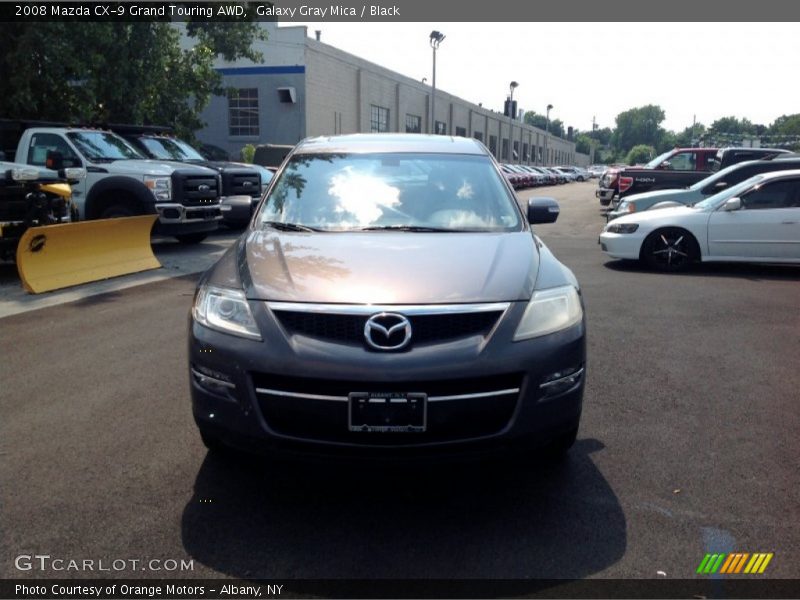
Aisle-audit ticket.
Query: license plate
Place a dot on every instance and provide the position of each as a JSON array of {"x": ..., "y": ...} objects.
[{"x": 387, "y": 412}]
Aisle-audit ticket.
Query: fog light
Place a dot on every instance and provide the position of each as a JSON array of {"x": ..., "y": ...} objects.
[
  {"x": 560, "y": 382},
  {"x": 213, "y": 381}
]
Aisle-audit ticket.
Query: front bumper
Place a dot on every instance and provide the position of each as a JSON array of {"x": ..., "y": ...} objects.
[
  {"x": 268, "y": 401},
  {"x": 621, "y": 245},
  {"x": 605, "y": 195},
  {"x": 237, "y": 210},
  {"x": 176, "y": 219}
]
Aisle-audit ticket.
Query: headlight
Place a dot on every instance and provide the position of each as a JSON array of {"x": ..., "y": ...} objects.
[
  {"x": 549, "y": 311},
  {"x": 24, "y": 174},
  {"x": 75, "y": 173},
  {"x": 226, "y": 310},
  {"x": 160, "y": 186},
  {"x": 622, "y": 227}
]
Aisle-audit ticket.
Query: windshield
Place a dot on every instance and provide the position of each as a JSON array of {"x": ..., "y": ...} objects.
[
  {"x": 658, "y": 160},
  {"x": 713, "y": 201},
  {"x": 426, "y": 192},
  {"x": 715, "y": 177},
  {"x": 170, "y": 149},
  {"x": 100, "y": 146}
]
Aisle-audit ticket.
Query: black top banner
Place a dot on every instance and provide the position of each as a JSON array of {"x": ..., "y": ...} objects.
[{"x": 400, "y": 11}]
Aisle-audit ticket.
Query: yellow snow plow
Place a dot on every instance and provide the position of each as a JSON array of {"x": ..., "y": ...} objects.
[{"x": 58, "y": 256}]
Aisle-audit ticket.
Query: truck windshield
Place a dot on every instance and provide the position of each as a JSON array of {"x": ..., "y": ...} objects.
[
  {"x": 101, "y": 146},
  {"x": 170, "y": 149}
]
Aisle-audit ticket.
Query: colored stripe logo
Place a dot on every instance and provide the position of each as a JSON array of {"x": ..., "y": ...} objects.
[{"x": 735, "y": 563}]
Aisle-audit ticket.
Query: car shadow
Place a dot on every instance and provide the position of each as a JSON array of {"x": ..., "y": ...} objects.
[
  {"x": 752, "y": 272},
  {"x": 495, "y": 519}
]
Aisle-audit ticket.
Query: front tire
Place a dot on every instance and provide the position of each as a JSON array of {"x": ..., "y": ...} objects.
[
  {"x": 670, "y": 249},
  {"x": 118, "y": 210},
  {"x": 191, "y": 238}
]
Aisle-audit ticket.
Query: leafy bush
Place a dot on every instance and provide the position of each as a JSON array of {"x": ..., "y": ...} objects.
[
  {"x": 640, "y": 154},
  {"x": 248, "y": 153}
]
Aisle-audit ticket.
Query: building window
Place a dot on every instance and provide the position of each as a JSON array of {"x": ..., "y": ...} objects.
[
  {"x": 441, "y": 128},
  {"x": 461, "y": 131},
  {"x": 478, "y": 136},
  {"x": 243, "y": 112},
  {"x": 493, "y": 144},
  {"x": 505, "y": 149},
  {"x": 413, "y": 124},
  {"x": 525, "y": 152},
  {"x": 378, "y": 119},
  {"x": 515, "y": 154}
]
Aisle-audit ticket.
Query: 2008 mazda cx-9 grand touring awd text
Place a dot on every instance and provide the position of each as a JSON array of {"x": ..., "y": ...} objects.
[{"x": 389, "y": 297}]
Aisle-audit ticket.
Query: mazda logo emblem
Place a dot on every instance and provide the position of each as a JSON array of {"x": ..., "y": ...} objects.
[
  {"x": 387, "y": 331},
  {"x": 203, "y": 188}
]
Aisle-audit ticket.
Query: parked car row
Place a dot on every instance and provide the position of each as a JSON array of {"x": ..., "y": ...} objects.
[
  {"x": 747, "y": 212},
  {"x": 526, "y": 176},
  {"x": 680, "y": 167}
]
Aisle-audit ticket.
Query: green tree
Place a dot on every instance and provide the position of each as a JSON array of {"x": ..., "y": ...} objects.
[
  {"x": 116, "y": 72},
  {"x": 556, "y": 126},
  {"x": 732, "y": 126},
  {"x": 583, "y": 143},
  {"x": 640, "y": 154},
  {"x": 786, "y": 125},
  {"x": 637, "y": 126}
]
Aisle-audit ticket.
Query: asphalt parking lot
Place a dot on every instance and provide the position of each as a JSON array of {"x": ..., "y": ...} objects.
[{"x": 689, "y": 444}]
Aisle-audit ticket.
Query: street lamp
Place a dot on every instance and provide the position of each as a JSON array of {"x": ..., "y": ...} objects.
[
  {"x": 512, "y": 86},
  {"x": 547, "y": 136},
  {"x": 436, "y": 38}
]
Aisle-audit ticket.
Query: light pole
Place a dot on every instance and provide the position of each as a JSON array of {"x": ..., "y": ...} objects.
[
  {"x": 512, "y": 86},
  {"x": 436, "y": 38},
  {"x": 547, "y": 136}
]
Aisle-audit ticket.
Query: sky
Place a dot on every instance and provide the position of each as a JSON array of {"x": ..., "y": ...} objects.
[{"x": 587, "y": 70}]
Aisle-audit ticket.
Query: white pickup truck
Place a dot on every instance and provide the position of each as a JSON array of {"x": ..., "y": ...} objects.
[{"x": 121, "y": 182}]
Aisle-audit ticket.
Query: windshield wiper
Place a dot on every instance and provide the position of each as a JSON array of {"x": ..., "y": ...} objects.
[
  {"x": 406, "y": 228},
  {"x": 281, "y": 226}
]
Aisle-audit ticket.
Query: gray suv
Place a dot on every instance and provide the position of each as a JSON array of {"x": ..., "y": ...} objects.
[{"x": 389, "y": 297}]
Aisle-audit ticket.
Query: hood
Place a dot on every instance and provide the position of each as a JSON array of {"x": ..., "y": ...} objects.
[
  {"x": 388, "y": 267},
  {"x": 150, "y": 167},
  {"x": 660, "y": 196},
  {"x": 655, "y": 217}
]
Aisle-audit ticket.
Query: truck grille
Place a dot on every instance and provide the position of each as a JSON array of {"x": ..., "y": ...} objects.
[
  {"x": 195, "y": 190},
  {"x": 349, "y": 329},
  {"x": 459, "y": 409},
  {"x": 241, "y": 183}
]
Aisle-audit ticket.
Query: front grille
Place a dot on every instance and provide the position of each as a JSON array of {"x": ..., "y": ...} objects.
[
  {"x": 425, "y": 329},
  {"x": 241, "y": 183},
  {"x": 448, "y": 420},
  {"x": 195, "y": 190}
]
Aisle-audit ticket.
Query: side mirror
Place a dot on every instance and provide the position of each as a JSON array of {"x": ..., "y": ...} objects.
[
  {"x": 719, "y": 186},
  {"x": 732, "y": 204},
  {"x": 542, "y": 210},
  {"x": 665, "y": 165},
  {"x": 54, "y": 160}
]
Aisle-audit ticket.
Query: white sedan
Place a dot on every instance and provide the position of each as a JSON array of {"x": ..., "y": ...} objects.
[{"x": 757, "y": 220}]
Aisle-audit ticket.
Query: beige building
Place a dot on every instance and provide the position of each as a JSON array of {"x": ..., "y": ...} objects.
[{"x": 308, "y": 88}]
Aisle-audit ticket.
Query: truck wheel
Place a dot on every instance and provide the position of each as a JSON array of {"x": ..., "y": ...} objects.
[
  {"x": 118, "y": 210},
  {"x": 670, "y": 249},
  {"x": 191, "y": 238}
]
